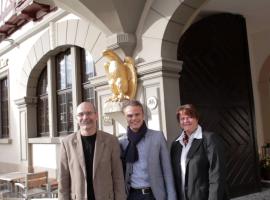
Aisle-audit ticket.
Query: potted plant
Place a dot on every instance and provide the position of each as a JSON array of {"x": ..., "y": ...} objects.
[
  {"x": 265, "y": 168},
  {"x": 265, "y": 162}
]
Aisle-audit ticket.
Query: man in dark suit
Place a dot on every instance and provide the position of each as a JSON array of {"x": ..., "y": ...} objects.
[
  {"x": 90, "y": 165},
  {"x": 146, "y": 159},
  {"x": 197, "y": 160}
]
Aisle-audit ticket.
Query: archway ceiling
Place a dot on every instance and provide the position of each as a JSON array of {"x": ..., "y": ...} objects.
[
  {"x": 123, "y": 15},
  {"x": 117, "y": 16},
  {"x": 256, "y": 13}
]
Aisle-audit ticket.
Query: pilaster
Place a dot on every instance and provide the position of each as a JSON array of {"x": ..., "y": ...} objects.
[{"x": 27, "y": 115}]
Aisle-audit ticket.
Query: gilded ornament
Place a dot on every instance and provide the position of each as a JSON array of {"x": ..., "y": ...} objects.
[{"x": 121, "y": 75}]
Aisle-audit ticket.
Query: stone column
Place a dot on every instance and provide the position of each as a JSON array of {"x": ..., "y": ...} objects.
[
  {"x": 28, "y": 129},
  {"x": 158, "y": 90}
]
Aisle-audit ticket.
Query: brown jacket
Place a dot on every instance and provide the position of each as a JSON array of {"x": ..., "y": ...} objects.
[{"x": 108, "y": 178}]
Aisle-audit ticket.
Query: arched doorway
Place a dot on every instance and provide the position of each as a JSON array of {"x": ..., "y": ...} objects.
[{"x": 216, "y": 78}]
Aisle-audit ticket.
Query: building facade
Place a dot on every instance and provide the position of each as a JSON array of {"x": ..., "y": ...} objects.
[{"x": 52, "y": 62}]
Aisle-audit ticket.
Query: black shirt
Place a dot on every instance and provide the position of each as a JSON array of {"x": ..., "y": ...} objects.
[{"x": 88, "y": 149}]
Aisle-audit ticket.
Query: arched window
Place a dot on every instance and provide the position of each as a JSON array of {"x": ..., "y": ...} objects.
[{"x": 59, "y": 86}]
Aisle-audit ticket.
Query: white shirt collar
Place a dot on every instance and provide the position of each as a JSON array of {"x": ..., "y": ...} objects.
[{"x": 196, "y": 134}]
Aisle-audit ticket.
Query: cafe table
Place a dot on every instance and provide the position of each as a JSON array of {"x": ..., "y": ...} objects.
[{"x": 11, "y": 178}]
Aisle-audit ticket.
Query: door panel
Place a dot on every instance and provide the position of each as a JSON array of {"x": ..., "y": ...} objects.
[{"x": 216, "y": 78}]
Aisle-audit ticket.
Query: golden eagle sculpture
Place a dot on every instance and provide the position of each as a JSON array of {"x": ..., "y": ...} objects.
[{"x": 121, "y": 75}]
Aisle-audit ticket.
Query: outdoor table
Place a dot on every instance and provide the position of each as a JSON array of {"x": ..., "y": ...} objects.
[{"x": 11, "y": 178}]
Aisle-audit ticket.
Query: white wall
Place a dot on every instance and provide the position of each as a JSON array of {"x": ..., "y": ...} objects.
[
  {"x": 16, "y": 54},
  {"x": 259, "y": 44}
]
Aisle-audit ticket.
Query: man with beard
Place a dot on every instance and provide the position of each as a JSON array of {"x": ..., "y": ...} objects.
[
  {"x": 90, "y": 165},
  {"x": 148, "y": 172}
]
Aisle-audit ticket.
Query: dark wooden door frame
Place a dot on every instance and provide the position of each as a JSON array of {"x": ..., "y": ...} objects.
[{"x": 216, "y": 78}]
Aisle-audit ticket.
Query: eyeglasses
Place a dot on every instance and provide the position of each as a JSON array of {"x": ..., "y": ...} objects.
[{"x": 87, "y": 114}]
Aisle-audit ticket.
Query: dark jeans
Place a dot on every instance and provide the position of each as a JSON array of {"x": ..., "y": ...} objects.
[{"x": 137, "y": 195}]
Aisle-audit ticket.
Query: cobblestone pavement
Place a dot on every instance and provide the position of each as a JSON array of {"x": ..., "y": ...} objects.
[{"x": 263, "y": 195}]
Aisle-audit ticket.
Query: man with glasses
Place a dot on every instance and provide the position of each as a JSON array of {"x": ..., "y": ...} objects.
[{"x": 90, "y": 165}]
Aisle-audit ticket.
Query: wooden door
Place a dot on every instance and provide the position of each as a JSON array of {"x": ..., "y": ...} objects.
[{"x": 216, "y": 78}]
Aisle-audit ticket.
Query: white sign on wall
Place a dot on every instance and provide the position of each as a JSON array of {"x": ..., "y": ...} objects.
[
  {"x": 3, "y": 63},
  {"x": 151, "y": 103}
]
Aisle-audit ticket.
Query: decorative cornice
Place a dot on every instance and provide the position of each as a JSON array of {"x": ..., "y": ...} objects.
[
  {"x": 166, "y": 66},
  {"x": 44, "y": 140},
  {"x": 147, "y": 70},
  {"x": 98, "y": 81},
  {"x": 5, "y": 141},
  {"x": 25, "y": 101}
]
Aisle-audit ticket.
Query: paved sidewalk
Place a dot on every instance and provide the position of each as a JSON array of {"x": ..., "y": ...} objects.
[{"x": 263, "y": 195}]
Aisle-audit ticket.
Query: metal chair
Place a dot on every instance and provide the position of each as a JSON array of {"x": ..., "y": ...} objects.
[
  {"x": 33, "y": 185},
  {"x": 53, "y": 188},
  {"x": 3, "y": 188}
]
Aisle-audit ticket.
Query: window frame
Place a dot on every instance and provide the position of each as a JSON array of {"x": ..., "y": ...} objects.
[
  {"x": 42, "y": 97},
  {"x": 86, "y": 83},
  {"x": 4, "y": 76},
  {"x": 76, "y": 87}
]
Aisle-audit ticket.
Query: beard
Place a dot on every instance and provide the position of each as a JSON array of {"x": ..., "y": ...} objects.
[{"x": 87, "y": 124}]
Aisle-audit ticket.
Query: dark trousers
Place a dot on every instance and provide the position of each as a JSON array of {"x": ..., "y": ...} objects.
[{"x": 138, "y": 195}]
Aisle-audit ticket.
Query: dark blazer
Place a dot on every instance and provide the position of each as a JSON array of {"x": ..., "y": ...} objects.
[
  {"x": 205, "y": 172},
  {"x": 158, "y": 163},
  {"x": 108, "y": 177}
]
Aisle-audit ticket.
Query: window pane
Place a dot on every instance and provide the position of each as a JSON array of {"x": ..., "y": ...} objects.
[
  {"x": 70, "y": 112},
  {"x": 65, "y": 112},
  {"x": 42, "y": 105},
  {"x": 87, "y": 65},
  {"x": 68, "y": 70},
  {"x": 4, "y": 133},
  {"x": 88, "y": 94},
  {"x": 42, "y": 88},
  {"x": 64, "y": 93},
  {"x": 60, "y": 71},
  {"x": 43, "y": 122},
  {"x": 87, "y": 72},
  {"x": 61, "y": 113},
  {"x": 64, "y": 66}
]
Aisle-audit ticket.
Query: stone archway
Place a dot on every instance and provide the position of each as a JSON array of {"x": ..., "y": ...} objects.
[
  {"x": 65, "y": 33},
  {"x": 264, "y": 99},
  {"x": 159, "y": 30},
  {"x": 158, "y": 33},
  {"x": 70, "y": 32}
]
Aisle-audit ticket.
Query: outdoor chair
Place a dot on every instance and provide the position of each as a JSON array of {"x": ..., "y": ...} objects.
[
  {"x": 3, "y": 188},
  {"x": 53, "y": 188},
  {"x": 33, "y": 185}
]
